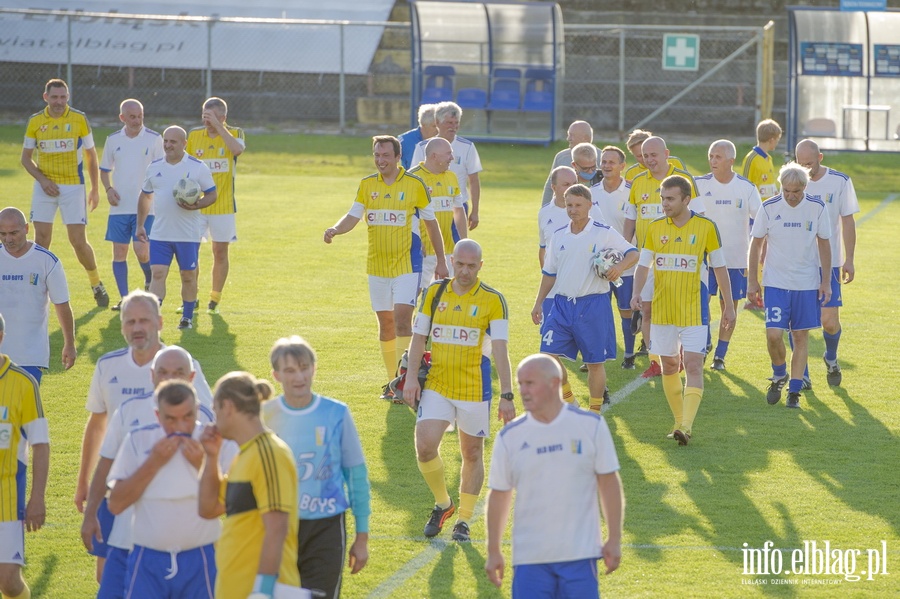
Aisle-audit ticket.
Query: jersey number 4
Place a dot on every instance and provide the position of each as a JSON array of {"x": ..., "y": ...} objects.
[{"x": 548, "y": 337}]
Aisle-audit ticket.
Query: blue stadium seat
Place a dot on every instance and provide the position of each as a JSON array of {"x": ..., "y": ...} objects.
[
  {"x": 538, "y": 90},
  {"x": 472, "y": 98},
  {"x": 506, "y": 92},
  {"x": 438, "y": 84}
]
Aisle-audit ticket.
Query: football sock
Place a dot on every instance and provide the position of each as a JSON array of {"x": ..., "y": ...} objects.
[
  {"x": 389, "y": 355},
  {"x": 188, "y": 310},
  {"x": 215, "y": 296},
  {"x": 674, "y": 395},
  {"x": 145, "y": 266},
  {"x": 94, "y": 277},
  {"x": 402, "y": 346},
  {"x": 120, "y": 273},
  {"x": 779, "y": 370},
  {"x": 692, "y": 398},
  {"x": 596, "y": 405},
  {"x": 433, "y": 473},
  {"x": 831, "y": 345},
  {"x": 627, "y": 337},
  {"x": 795, "y": 385},
  {"x": 721, "y": 349},
  {"x": 568, "y": 396},
  {"x": 467, "y": 506}
]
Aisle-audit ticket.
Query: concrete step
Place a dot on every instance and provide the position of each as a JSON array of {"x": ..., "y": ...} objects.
[{"x": 383, "y": 110}]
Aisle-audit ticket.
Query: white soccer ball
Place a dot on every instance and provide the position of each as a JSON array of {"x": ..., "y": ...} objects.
[
  {"x": 605, "y": 258},
  {"x": 187, "y": 191}
]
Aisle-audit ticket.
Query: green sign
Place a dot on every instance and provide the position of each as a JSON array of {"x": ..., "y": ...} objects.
[{"x": 681, "y": 52}]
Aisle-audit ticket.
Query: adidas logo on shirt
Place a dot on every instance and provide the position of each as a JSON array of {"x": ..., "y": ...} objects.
[
  {"x": 135, "y": 422},
  {"x": 114, "y": 380},
  {"x": 525, "y": 446}
]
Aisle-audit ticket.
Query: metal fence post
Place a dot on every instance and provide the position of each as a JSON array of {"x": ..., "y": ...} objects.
[
  {"x": 341, "y": 89},
  {"x": 622, "y": 83},
  {"x": 69, "y": 49},
  {"x": 209, "y": 48}
]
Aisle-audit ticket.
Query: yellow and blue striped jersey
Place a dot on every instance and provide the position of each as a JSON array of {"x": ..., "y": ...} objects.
[
  {"x": 759, "y": 169},
  {"x": 461, "y": 333},
  {"x": 679, "y": 262},
  {"x": 445, "y": 196},
  {"x": 646, "y": 199},
  {"x": 637, "y": 168},
  {"x": 392, "y": 215},
  {"x": 58, "y": 144},
  {"x": 222, "y": 164}
]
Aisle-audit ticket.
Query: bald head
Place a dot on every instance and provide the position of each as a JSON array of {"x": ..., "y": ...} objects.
[
  {"x": 13, "y": 216},
  {"x": 172, "y": 363},
  {"x": 470, "y": 247},
  {"x": 579, "y": 132},
  {"x": 175, "y": 132},
  {"x": 656, "y": 156},
  {"x": 174, "y": 143},
  {"x": 809, "y": 157},
  {"x": 542, "y": 366}
]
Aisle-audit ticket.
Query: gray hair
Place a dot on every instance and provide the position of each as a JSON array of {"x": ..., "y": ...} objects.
[
  {"x": 793, "y": 174},
  {"x": 446, "y": 110}
]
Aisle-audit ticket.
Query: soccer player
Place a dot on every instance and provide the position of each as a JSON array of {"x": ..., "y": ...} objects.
[
  {"x": 156, "y": 471},
  {"x": 218, "y": 145},
  {"x": 177, "y": 225},
  {"x": 796, "y": 229},
  {"x": 446, "y": 201},
  {"x": 584, "y": 161},
  {"x": 126, "y": 155},
  {"x": 634, "y": 143},
  {"x": 33, "y": 278},
  {"x": 560, "y": 460},
  {"x": 579, "y": 132},
  {"x": 645, "y": 197},
  {"x": 610, "y": 199},
  {"x": 23, "y": 425},
  {"x": 678, "y": 248},
  {"x": 331, "y": 468},
  {"x": 393, "y": 202},
  {"x": 731, "y": 201},
  {"x": 836, "y": 190},
  {"x": 468, "y": 325},
  {"x": 466, "y": 163},
  {"x": 63, "y": 138},
  {"x": 426, "y": 130},
  {"x": 258, "y": 547},
  {"x": 581, "y": 318}
]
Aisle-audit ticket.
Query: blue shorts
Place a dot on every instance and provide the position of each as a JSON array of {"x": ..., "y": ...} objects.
[
  {"x": 150, "y": 573},
  {"x": 792, "y": 310},
  {"x": 121, "y": 228},
  {"x": 186, "y": 252},
  {"x": 36, "y": 371},
  {"x": 623, "y": 292},
  {"x": 738, "y": 278},
  {"x": 112, "y": 584},
  {"x": 559, "y": 580},
  {"x": 836, "y": 300},
  {"x": 583, "y": 324},
  {"x": 106, "y": 523}
]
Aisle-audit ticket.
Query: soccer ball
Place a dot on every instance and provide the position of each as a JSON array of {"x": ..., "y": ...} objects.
[
  {"x": 187, "y": 191},
  {"x": 605, "y": 258}
]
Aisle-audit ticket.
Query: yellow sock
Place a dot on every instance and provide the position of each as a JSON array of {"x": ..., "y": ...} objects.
[
  {"x": 568, "y": 396},
  {"x": 692, "y": 398},
  {"x": 402, "y": 345},
  {"x": 467, "y": 507},
  {"x": 655, "y": 358},
  {"x": 215, "y": 296},
  {"x": 596, "y": 404},
  {"x": 94, "y": 277},
  {"x": 433, "y": 473},
  {"x": 26, "y": 594},
  {"x": 674, "y": 395},
  {"x": 389, "y": 355}
]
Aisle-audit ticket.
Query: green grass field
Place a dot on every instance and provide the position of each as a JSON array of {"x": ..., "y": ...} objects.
[{"x": 754, "y": 472}]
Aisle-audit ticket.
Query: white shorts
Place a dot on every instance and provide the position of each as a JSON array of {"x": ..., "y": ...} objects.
[
  {"x": 471, "y": 417},
  {"x": 647, "y": 291},
  {"x": 429, "y": 263},
  {"x": 668, "y": 339},
  {"x": 385, "y": 292},
  {"x": 71, "y": 201},
  {"x": 12, "y": 542},
  {"x": 218, "y": 227}
]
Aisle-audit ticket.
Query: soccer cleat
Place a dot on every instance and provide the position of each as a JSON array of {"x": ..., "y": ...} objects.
[
  {"x": 185, "y": 324},
  {"x": 718, "y": 364},
  {"x": 146, "y": 286},
  {"x": 833, "y": 373},
  {"x": 583, "y": 368},
  {"x": 793, "y": 400},
  {"x": 628, "y": 363},
  {"x": 435, "y": 523},
  {"x": 461, "y": 532},
  {"x": 388, "y": 393},
  {"x": 212, "y": 308},
  {"x": 652, "y": 371},
  {"x": 100, "y": 295},
  {"x": 636, "y": 320},
  {"x": 117, "y": 307},
  {"x": 773, "y": 395},
  {"x": 642, "y": 350},
  {"x": 606, "y": 396},
  {"x": 806, "y": 385},
  {"x": 671, "y": 435},
  {"x": 681, "y": 436}
]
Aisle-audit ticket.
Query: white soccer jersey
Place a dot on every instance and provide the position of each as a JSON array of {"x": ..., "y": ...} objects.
[
  {"x": 836, "y": 190},
  {"x": 465, "y": 161},
  {"x": 792, "y": 254},
  {"x": 128, "y": 158},
  {"x": 117, "y": 377},
  {"x": 174, "y": 223},
  {"x": 613, "y": 208},
  {"x": 26, "y": 285},
  {"x": 731, "y": 206},
  {"x": 569, "y": 255},
  {"x": 553, "y": 467}
]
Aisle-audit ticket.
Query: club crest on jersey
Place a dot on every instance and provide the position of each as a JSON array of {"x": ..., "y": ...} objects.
[
  {"x": 374, "y": 195},
  {"x": 68, "y": 127},
  {"x": 576, "y": 445},
  {"x": 33, "y": 278},
  {"x": 664, "y": 239},
  {"x": 43, "y": 128},
  {"x": 645, "y": 196},
  {"x": 320, "y": 435},
  {"x": 402, "y": 196},
  {"x": 221, "y": 151},
  {"x": 809, "y": 225},
  {"x": 442, "y": 306},
  {"x": 199, "y": 152},
  {"x": 430, "y": 190},
  {"x": 473, "y": 310},
  {"x": 4, "y": 413},
  {"x": 692, "y": 239}
]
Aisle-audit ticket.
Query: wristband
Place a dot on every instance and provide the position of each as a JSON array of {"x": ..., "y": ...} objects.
[{"x": 264, "y": 584}]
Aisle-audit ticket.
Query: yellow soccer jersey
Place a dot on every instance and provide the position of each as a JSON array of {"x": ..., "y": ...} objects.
[
  {"x": 760, "y": 170},
  {"x": 20, "y": 408},
  {"x": 679, "y": 267},
  {"x": 392, "y": 214},
  {"x": 59, "y": 144},
  {"x": 636, "y": 169},
  {"x": 647, "y": 202},
  {"x": 460, "y": 340},
  {"x": 262, "y": 479},
  {"x": 222, "y": 164},
  {"x": 445, "y": 195}
]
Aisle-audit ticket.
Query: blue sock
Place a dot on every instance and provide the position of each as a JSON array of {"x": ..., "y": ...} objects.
[
  {"x": 188, "y": 308},
  {"x": 795, "y": 385},
  {"x": 721, "y": 349},
  {"x": 145, "y": 266},
  {"x": 831, "y": 345},
  {"x": 627, "y": 337},
  {"x": 708, "y": 336},
  {"x": 778, "y": 371},
  {"x": 120, "y": 272}
]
